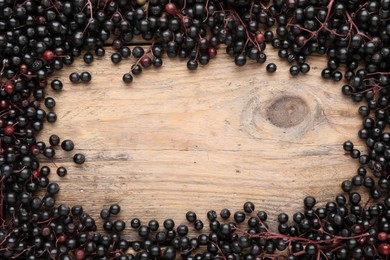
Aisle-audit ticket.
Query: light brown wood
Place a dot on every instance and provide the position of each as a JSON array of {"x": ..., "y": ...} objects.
[{"x": 176, "y": 140}]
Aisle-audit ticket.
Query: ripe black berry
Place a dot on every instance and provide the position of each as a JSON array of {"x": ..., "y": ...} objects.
[
  {"x": 85, "y": 77},
  {"x": 127, "y": 78},
  {"x": 79, "y": 158},
  {"x": 271, "y": 67}
]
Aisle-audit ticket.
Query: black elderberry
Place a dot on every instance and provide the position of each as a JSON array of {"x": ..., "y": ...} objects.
[
  {"x": 116, "y": 58},
  {"x": 85, "y": 77},
  {"x": 56, "y": 85},
  {"x": 88, "y": 58},
  {"x": 74, "y": 77},
  {"x": 125, "y": 52},
  {"x": 127, "y": 78},
  {"x": 271, "y": 67},
  {"x": 169, "y": 224},
  {"x": 239, "y": 216},
  {"x": 79, "y": 158},
  {"x": 54, "y": 140},
  {"x": 143, "y": 231},
  {"x": 115, "y": 209},
  {"x": 136, "y": 69},
  {"x": 225, "y": 213},
  {"x": 100, "y": 52},
  {"x": 134, "y": 223},
  {"x": 138, "y": 52},
  {"x": 294, "y": 70},
  {"x": 119, "y": 225},
  {"x": 191, "y": 216},
  {"x": 198, "y": 224},
  {"x": 309, "y": 202},
  {"x": 67, "y": 145},
  {"x": 61, "y": 171},
  {"x": 157, "y": 62},
  {"x": 50, "y": 102},
  {"x": 240, "y": 60},
  {"x": 346, "y": 186}
]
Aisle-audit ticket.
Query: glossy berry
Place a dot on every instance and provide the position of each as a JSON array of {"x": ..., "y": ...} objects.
[
  {"x": 127, "y": 78},
  {"x": 79, "y": 158},
  {"x": 85, "y": 77},
  {"x": 54, "y": 140},
  {"x": 271, "y": 67},
  {"x": 56, "y": 85},
  {"x": 50, "y": 102},
  {"x": 88, "y": 58},
  {"x": 116, "y": 58},
  {"x": 74, "y": 77},
  {"x": 62, "y": 172},
  {"x": 67, "y": 145},
  {"x": 192, "y": 64},
  {"x": 294, "y": 70}
]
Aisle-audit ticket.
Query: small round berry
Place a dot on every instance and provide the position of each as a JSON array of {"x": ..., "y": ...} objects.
[
  {"x": 56, "y": 85},
  {"x": 157, "y": 62},
  {"x": 192, "y": 65},
  {"x": 309, "y": 202},
  {"x": 138, "y": 52},
  {"x": 51, "y": 117},
  {"x": 240, "y": 60},
  {"x": 54, "y": 140},
  {"x": 136, "y": 69},
  {"x": 348, "y": 146},
  {"x": 88, "y": 58},
  {"x": 67, "y": 145},
  {"x": 260, "y": 37},
  {"x": 305, "y": 68},
  {"x": 49, "y": 152},
  {"x": 85, "y": 77},
  {"x": 115, "y": 209},
  {"x": 79, "y": 158},
  {"x": 225, "y": 213},
  {"x": 294, "y": 70},
  {"x": 127, "y": 78},
  {"x": 249, "y": 207},
  {"x": 9, "y": 88},
  {"x": 105, "y": 214},
  {"x": 125, "y": 52},
  {"x": 74, "y": 77},
  {"x": 271, "y": 67},
  {"x": 384, "y": 249},
  {"x": 50, "y": 102},
  {"x": 100, "y": 51},
  {"x": 170, "y": 8},
  {"x": 48, "y": 55},
  {"x": 9, "y": 130},
  {"x": 135, "y": 223},
  {"x": 145, "y": 61},
  {"x": 116, "y": 58},
  {"x": 383, "y": 236},
  {"x": 191, "y": 216},
  {"x": 61, "y": 171}
]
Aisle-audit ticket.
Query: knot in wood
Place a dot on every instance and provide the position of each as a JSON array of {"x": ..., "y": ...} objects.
[{"x": 287, "y": 111}]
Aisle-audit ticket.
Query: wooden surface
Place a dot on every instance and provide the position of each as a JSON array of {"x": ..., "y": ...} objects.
[{"x": 175, "y": 140}]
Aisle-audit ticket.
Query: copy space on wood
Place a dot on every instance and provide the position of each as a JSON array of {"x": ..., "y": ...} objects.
[{"x": 176, "y": 140}]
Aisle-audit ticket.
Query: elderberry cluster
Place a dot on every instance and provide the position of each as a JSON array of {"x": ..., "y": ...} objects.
[{"x": 38, "y": 38}]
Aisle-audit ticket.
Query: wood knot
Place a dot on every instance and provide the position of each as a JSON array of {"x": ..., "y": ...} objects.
[
  {"x": 287, "y": 111},
  {"x": 281, "y": 116}
]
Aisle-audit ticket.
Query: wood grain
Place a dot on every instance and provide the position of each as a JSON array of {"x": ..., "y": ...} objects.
[{"x": 176, "y": 140}]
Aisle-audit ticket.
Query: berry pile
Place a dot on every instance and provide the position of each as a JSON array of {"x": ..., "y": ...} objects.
[{"x": 37, "y": 38}]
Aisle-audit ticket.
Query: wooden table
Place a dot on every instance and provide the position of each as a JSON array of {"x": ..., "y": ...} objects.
[{"x": 176, "y": 140}]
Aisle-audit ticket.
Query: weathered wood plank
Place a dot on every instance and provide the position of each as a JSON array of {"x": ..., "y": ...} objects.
[{"x": 176, "y": 140}]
